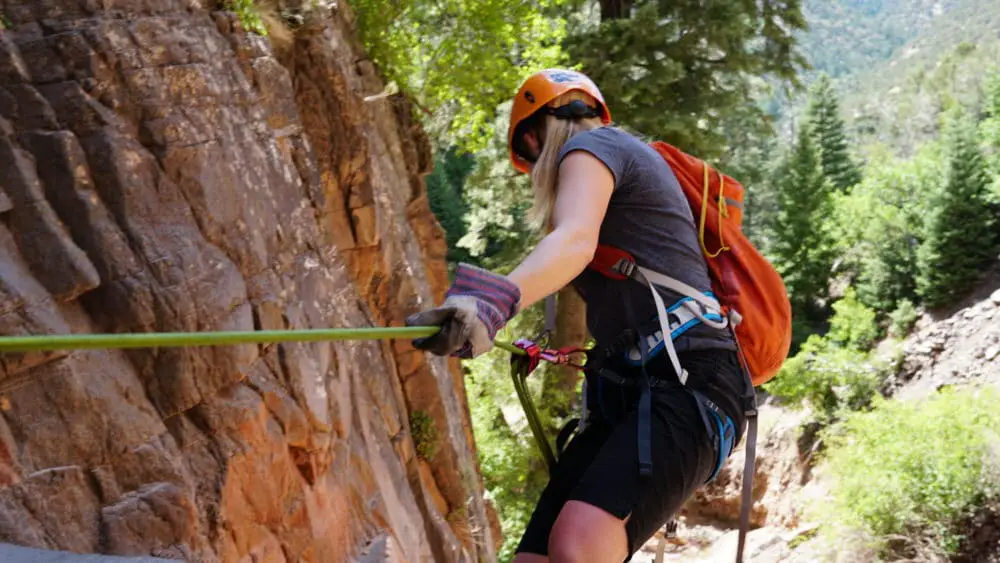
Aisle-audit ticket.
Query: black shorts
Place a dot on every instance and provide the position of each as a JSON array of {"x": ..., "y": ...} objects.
[{"x": 600, "y": 465}]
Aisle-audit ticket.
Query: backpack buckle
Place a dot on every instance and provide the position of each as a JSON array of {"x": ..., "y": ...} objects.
[{"x": 625, "y": 267}]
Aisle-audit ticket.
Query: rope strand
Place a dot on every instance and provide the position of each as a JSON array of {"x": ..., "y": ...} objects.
[{"x": 54, "y": 342}]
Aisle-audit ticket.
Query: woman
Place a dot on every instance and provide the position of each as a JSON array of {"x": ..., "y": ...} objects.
[{"x": 594, "y": 183}]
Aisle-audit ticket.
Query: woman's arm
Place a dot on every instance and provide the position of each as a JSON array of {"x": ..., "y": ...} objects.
[{"x": 585, "y": 186}]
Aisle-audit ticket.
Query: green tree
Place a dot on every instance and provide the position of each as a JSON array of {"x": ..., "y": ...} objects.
[
  {"x": 958, "y": 237},
  {"x": 824, "y": 119},
  {"x": 445, "y": 186},
  {"x": 498, "y": 199},
  {"x": 888, "y": 271},
  {"x": 801, "y": 248},
  {"x": 459, "y": 59},
  {"x": 990, "y": 130},
  {"x": 678, "y": 69},
  {"x": 749, "y": 160},
  {"x": 990, "y": 127},
  {"x": 879, "y": 224}
]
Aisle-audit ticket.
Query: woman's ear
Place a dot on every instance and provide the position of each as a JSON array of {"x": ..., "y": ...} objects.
[{"x": 531, "y": 138}]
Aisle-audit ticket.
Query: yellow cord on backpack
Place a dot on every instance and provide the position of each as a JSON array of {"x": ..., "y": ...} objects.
[{"x": 723, "y": 212}]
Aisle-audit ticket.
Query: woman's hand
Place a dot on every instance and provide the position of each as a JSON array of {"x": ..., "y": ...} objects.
[{"x": 476, "y": 307}]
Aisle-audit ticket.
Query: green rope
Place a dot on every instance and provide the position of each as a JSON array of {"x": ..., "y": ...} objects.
[{"x": 53, "y": 342}]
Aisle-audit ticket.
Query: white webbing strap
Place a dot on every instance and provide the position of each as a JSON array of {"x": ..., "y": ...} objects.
[
  {"x": 668, "y": 343},
  {"x": 653, "y": 279},
  {"x": 656, "y": 278}
]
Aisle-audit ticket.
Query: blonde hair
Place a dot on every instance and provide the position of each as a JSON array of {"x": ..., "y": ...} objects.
[{"x": 545, "y": 172}]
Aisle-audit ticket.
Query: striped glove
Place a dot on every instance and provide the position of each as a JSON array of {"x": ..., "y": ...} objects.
[{"x": 476, "y": 307}]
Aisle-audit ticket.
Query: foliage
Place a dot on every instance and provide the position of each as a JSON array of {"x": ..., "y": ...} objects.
[
  {"x": 828, "y": 379},
  {"x": 878, "y": 225},
  {"x": 903, "y": 108},
  {"x": 750, "y": 161},
  {"x": 847, "y": 36},
  {"x": 990, "y": 127},
  {"x": 425, "y": 434},
  {"x": 498, "y": 199},
  {"x": 913, "y": 469},
  {"x": 445, "y": 187},
  {"x": 824, "y": 119},
  {"x": 802, "y": 245},
  {"x": 958, "y": 238},
  {"x": 249, "y": 15},
  {"x": 853, "y": 324},
  {"x": 833, "y": 373},
  {"x": 903, "y": 318},
  {"x": 678, "y": 70},
  {"x": 990, "y": 133},
  {"x": 461, "y": 58}
]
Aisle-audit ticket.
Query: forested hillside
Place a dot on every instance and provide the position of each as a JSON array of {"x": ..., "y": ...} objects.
[
  {"x": 897, "y": 64},
  {"x": 848, "y": 37}
]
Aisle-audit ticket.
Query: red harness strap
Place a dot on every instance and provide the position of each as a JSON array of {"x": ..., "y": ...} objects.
[{"x": 614, "y": 263}]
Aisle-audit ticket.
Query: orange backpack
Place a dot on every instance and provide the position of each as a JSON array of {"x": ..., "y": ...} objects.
[{"x": 746, "y": 285}]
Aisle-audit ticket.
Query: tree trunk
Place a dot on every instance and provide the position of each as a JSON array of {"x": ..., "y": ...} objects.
[
  {"x": 616, "y": 9},
  {"x": 560, "y": 385}
]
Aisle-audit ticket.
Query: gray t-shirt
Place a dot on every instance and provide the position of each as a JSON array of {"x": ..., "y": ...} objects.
[{"x": 649, "y": 217}]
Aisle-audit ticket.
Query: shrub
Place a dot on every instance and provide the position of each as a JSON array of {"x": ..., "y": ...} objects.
[
  {"x": 906, "y": 473},
  {"x": 828, "y": 378},
  {"x": 853, "y": 324},
  {"x": 249, "y": 15},
  {"x": 903, "y": 318},
  {"x": 425, "y": 435},
  {"x": 834, "y": 372}
]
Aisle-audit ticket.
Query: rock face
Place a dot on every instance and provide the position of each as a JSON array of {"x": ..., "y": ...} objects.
[
  {"x": 781, "y": 468},
  {"x": 163, "y": 170},
  {"x": 963, "y": 348}
]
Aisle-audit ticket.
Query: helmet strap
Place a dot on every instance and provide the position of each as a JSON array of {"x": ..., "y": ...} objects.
[{"x": 577, "y": 109}]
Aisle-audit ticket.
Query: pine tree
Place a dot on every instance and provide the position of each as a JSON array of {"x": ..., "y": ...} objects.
[
  {"x": 958, "y": 237},
  {"x": 445, "y": 186},
  {"x": 990, "y": 128},
  {"x": 824, "y": 119},
  {"x": 801, "y": 247},
  {"x": 887, "y": 274},
  {"x": 679, "y": 70}
]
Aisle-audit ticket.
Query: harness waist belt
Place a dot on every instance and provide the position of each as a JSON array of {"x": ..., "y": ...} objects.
[{"x": 681, "y": 317}]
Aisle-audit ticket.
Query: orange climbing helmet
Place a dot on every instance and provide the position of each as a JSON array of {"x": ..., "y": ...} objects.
[{"x": 540, "y": 89}]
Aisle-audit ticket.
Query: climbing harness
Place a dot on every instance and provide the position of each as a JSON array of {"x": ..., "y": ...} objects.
[
  {"x": 692, "y": 308},
  {"x": 717, "y": 425}
]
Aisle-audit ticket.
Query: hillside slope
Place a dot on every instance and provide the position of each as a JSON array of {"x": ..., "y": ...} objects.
[{"x": 894, "y": 63}]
